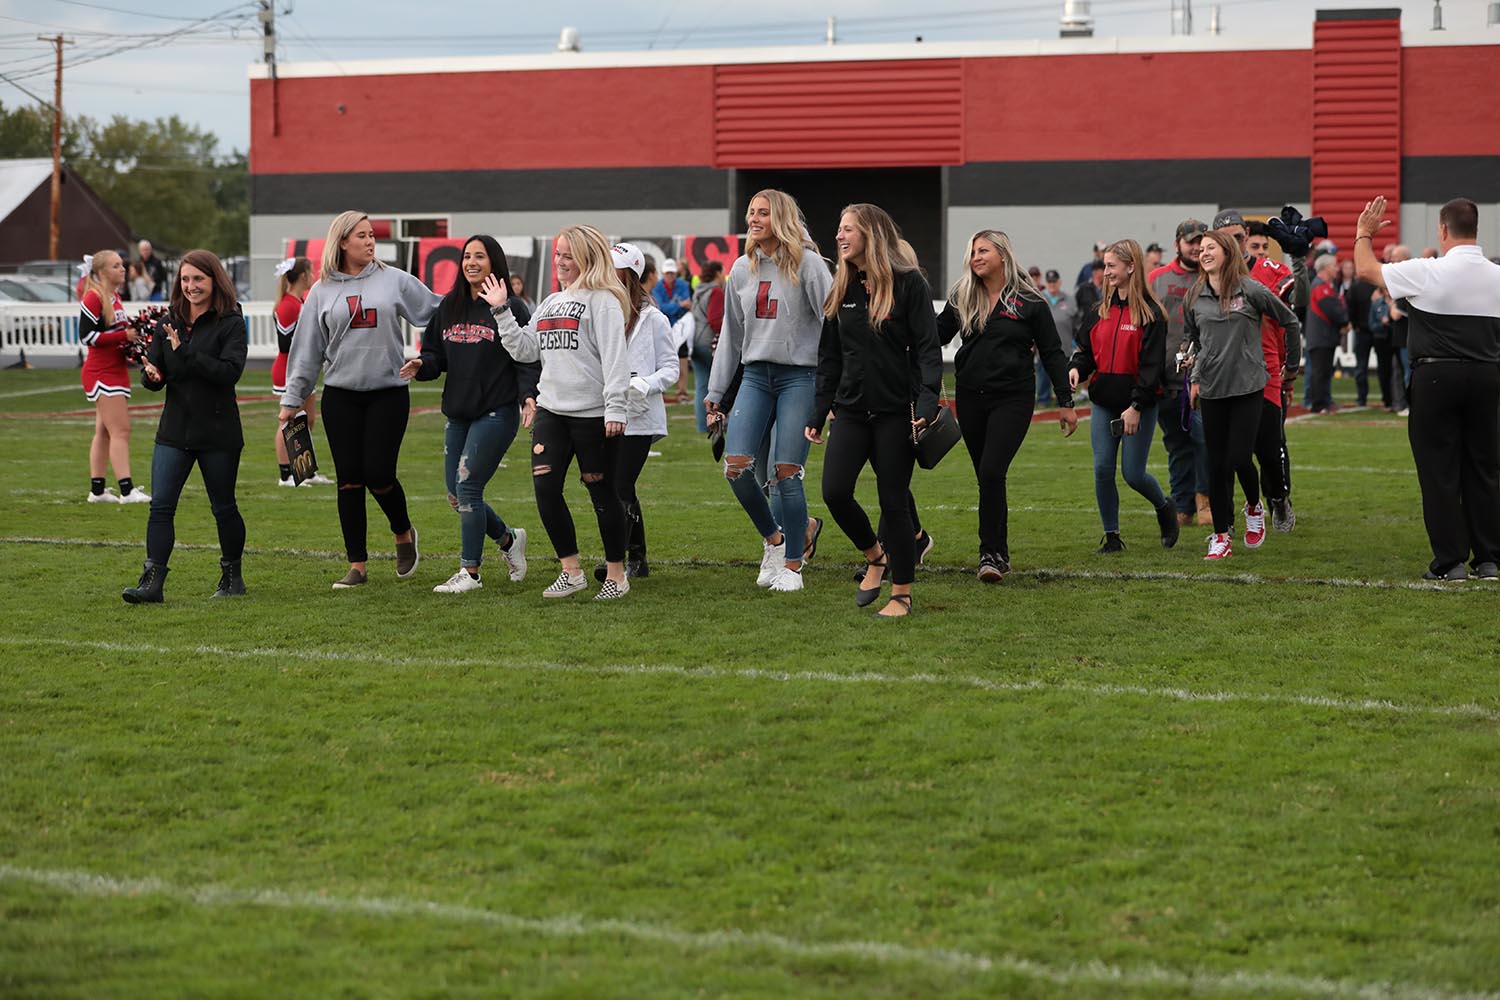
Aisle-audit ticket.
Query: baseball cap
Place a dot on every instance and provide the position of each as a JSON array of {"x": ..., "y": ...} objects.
[
  {"x": 1034, "y": 271},
  {"x": 1052, "y": 276},
  {"x": 1100, "y": 247},
  {"x": 1153, "y": 246},
  {"x": 1327, "y": 246},
  {"x": 1190, "y": 229},
  {"x": 628, "y": 255},
  {"x": 669, "y": 266},
  {"x": 1228, "y": 217}
]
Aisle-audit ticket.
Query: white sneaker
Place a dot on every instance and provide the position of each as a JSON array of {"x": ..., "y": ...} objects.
[
  {"x": 136, "y": 495},
  {"x": 515, "y": 556},
  {"x": 772, "y": 562},
  {"x": 459, "y": 583},
  {"x": 105, "y": 497},
  {"x": 289, "y": 481},
  {"x": 787, "y": 581},
  {"x": 317, "y": 479},
  {"x": 565, "y": 585}
]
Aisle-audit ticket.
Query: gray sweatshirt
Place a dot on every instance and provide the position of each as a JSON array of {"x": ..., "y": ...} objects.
[
  {"x": 579, "y": 337},
  {"x": 1229, "y": 360},
  {"x": 770, "y": 318},
  {"x": 350, "y": 326}
]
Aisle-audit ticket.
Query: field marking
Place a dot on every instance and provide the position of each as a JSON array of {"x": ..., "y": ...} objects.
[
  {"x": 1040, "y": 573},
  {"x": 42, "y": 391},
  {"x": 738, "y": 944},
  {"x": 707, "y": 673}
]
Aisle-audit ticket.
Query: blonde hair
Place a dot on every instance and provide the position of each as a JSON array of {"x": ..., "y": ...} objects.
[
  {"x": 596, "y": 266},
  {"x": 101, "y": 260},
  {"x": 883, "y": 259},
  {"x": 1232, "y": 273},
  {"x": 1141, "y": 300},
  {"x": 968, "y": 296},
  {"x": 788, "y": 229},
  {"x": 343, "y": 224}
]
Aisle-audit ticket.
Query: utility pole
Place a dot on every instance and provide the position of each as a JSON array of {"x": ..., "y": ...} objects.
[
  {"x": 268, "y": 24},
  {"x": 54, "y": 233}
]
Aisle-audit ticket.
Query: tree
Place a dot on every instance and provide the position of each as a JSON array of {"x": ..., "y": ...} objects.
[{"x": 165, "y": 177}]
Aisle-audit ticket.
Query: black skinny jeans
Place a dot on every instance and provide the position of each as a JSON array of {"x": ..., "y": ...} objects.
[
  {"x": 1230, "y": 426},
  {"x": 1268, "y": 439},
  {"x": 994, "y": 425},
  {"x": 364, "y": 433},
  {"x": 555, "y": 441},
  {"x": 884, "y": 441},
  {"x": 627, "y": 459},
  {"x": 169, "y": 471}
]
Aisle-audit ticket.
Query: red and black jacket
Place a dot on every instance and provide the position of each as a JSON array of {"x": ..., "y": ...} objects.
[{"x": 1122, "y": 361}]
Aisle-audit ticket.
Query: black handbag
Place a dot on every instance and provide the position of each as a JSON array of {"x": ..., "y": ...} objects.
[{"x": 935, "y": 440}]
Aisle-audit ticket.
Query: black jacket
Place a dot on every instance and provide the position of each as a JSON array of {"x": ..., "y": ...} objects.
[
  {"x": 482, "y": 376},
  {"x": 889, "y": 370},
  {"x": 998, "y": 359},
  {"x": 199, "y": 376}
]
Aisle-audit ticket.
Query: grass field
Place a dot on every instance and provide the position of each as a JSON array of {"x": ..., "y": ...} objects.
[{"x": 1141, "y": 776}]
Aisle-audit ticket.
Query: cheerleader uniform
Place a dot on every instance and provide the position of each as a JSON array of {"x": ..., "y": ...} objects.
[
  {"x": 287, "y": 311},
  {"x": 104, "y": 370}
]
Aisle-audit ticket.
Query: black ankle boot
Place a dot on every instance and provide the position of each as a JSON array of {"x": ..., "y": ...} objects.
[
  {"x": 1166, "y": 519},
  {"x": 231, "y": 584},
  {"x": 148, "y": 589}
]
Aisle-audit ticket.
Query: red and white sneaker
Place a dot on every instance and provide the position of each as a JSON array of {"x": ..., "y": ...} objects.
[
  {"x": 1255, "y": 525},
  {"x": 1218, "y": 546}
]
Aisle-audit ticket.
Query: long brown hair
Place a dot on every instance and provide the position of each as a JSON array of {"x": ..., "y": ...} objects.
[
  {"x": 1231, "y": 274},
  {"x": 292, "y": 275},
  {"x": 1141, "y": 300},
  {"x": 223, "y": 301},
  {"x": 106, "y": 295},
  {"x": 883, "y": 260},
  {"x": 636, "y": 293}
]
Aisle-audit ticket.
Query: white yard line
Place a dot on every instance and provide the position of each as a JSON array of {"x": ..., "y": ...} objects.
[
  {"x": 1040, "y": 573},
  {"x": 739, "y": 945},
  {"x": 812, "y": 677},
  {"x": 44, "y": 390}
]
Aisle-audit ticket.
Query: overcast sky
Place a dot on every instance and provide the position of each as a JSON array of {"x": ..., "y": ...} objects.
[{"x": 120, "y": 63}]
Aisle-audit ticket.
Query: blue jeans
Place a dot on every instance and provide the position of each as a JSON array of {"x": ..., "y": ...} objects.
[
  {"x": 703, "y": 363},
  {"x": 1187, "y": 458},
  {"x": 472, "y": 450},
  {"x": 780, "y": 395},
  {"x": 169, "y": 471},
  {"x": 1043, "y": 385},
  {"x": 1132, "y": 452}
]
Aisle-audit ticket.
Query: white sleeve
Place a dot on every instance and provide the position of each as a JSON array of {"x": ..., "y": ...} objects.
[
  {"x": 1406, "y": 278},
  {"x": 664, "y": 354},
  {"x": 521, "y": 342}
]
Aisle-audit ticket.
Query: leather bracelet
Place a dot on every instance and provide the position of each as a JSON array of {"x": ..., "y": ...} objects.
[{"x": 1370, "y": 238}]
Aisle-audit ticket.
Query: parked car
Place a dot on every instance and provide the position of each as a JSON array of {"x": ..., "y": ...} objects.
[
  {"x": 56, "y": 270},
  {"x": 32, "y": 288}
]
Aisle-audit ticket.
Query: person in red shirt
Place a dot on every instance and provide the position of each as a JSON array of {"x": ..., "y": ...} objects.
[
  {"x": 294, "y": 278},
  {"x": 105, "y": 330}
]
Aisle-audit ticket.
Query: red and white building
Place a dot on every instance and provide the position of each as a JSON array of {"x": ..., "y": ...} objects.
[{"x": 949, "y": 137}]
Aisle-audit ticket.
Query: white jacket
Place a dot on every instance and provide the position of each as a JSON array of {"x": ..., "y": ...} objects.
[{"x": 653, "y": 370}]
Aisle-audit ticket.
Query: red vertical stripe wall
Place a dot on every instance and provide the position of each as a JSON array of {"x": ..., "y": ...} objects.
[{"x": 1356, "y": 122}]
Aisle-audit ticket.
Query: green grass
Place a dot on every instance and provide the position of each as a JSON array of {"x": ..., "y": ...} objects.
[{"x": 1140, "y": 777}]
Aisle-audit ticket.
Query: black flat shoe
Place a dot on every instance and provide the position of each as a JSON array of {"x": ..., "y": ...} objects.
[{"x": 864, "y": 598}]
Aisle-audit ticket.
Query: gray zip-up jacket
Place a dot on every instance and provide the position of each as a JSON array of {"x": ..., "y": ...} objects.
[
  {"x": 1229, "y": 359},
  {"x": 768, "y": 317},
  {"x": 350, "y": 326},
  {"x": 579, "y": 336}
]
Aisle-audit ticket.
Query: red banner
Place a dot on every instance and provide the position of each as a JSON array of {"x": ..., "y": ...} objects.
[
  {"x": 699, "y": 250},
  {"x": 438, "y": 259},
  {"x": 311, "y": 249}
]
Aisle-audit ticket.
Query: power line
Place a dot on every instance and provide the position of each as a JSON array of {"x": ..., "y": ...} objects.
[{"x": 130, "y": 13}]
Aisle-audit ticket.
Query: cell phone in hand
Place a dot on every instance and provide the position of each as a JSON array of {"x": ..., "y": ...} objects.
[{"x": 1117, "y": 427}]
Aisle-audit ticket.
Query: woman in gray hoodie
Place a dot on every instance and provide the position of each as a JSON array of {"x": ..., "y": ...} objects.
[{"x": 350, "y": 328}]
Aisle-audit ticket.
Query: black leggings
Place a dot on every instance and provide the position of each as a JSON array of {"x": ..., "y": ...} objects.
[
  {"x": 994, "y": 425},
  {"x": 884, "y": 441},
  {"x": 364, "y": 433},
  {"x": 555, "y": 440},
  {"x": 1230, "y": 427},
  {"x": 627, "y": 459},
  {"x": 1268, "y": 452}
]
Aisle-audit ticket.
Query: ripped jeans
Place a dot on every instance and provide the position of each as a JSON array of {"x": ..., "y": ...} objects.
[
  {"x": 555, "y": 441},
  {"x": 472, "y": 450},
  {"x": 780, "y": 395}
]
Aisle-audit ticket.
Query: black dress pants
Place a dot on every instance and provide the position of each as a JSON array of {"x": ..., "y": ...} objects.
[{"x": 1455, "y": 440}]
